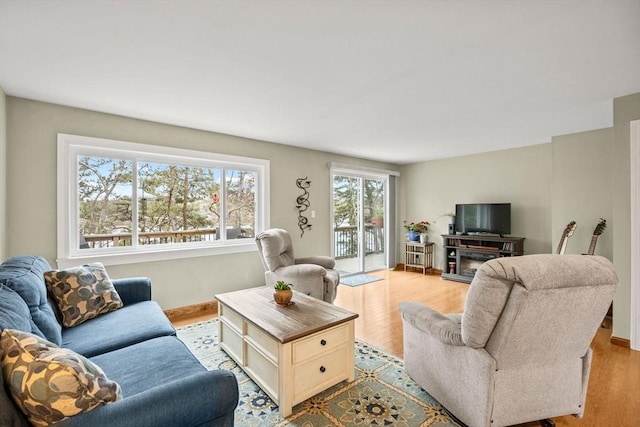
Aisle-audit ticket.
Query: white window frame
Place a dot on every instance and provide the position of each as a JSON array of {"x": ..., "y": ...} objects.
[{"x": 72, "y": 146}]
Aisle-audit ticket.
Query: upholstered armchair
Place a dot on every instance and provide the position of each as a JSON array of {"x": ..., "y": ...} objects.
[
  {"x": 520, "y": 351},
  {"x": 315, "y": 276}
]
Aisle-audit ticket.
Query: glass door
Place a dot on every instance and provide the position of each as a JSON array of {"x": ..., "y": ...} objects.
[{"x": 359, "y": 207}]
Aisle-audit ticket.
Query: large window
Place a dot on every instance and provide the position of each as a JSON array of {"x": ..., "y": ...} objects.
[{"x": 123, "y": 202}]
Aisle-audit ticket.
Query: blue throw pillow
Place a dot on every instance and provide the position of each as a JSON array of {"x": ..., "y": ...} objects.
[{"x": 25, "y": 276}]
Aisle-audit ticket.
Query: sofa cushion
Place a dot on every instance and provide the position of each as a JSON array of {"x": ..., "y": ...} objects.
[
  {"x": 24, "y": 274},
  {"x": 129, "y": 325},
  {"x": 82, "y": 293},
  {"x": 50, "y": 383},
  {"x": 157, "y": 361}
]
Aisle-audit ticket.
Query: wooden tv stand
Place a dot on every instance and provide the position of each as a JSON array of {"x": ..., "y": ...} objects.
[{"x": 463, "y": 254}]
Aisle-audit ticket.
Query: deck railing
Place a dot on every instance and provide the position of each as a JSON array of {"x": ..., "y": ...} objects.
[
  {"x": 152, "y": 238},
  {"x": 346, "y": 241},
  {"x": 345, "y": 238}
]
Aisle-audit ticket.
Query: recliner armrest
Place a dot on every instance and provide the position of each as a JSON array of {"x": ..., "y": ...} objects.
[
  {"x": 133, "y": 289},
  {"x": 192, "y": 401},
  {"x": 296, "y": 271},
  {"x": 321, "y": 260},
  {"x": 445, "y": 328}
]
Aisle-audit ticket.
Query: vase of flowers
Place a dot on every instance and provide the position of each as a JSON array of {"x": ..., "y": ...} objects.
[{"x": 415, "y": 229}]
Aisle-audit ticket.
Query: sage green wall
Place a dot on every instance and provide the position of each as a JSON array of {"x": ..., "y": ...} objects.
[
  {"x": 520, "y": 176},
  {"x": 3, "y": 173},
  {"x": 625, "y": 110},
  {"x": 31, "y": 190},
  {"x": 582, "y": 177},
  {"x": 581, "y": 189},
  {"x": 548, "y": 185}
]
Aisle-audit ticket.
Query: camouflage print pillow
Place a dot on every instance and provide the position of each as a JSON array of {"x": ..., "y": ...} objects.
[
  {"x": 82, "y": 293},
  {"x": 50, "y": 383}
]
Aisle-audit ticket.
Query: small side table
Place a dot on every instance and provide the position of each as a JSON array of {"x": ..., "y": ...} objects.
[{"x": 418, "y": 255}]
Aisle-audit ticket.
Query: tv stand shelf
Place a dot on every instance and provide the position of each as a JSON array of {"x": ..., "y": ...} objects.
[{"x": 465, "y": 253}]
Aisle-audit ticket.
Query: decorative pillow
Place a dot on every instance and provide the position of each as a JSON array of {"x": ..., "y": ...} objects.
[
  {"x": 82, "y": 293},
  {"x": 10, "y": 414},
  {"x": 50, "y": 383}
]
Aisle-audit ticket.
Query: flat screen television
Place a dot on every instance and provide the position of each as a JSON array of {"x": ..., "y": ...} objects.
[{"x": 493, "y": 218}]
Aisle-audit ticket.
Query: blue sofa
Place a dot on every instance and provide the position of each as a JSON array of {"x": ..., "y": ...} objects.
[{"x": 162, "y": 383}]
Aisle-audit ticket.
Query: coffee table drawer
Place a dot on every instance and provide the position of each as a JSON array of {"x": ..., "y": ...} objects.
[
  {"x": 320, "y": 343},
  {"x": 262, "y": 341},
  {"x": 231, "y": 341},
  {"x": 231, "y": 317},
  {"x": 317, "y": 374},
  {"x": 263, "y": 370}
]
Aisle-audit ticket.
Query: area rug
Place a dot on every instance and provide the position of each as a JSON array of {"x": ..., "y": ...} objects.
[
  {"x": 358, "y": 279},
  {"x": 381, "y": 395}
]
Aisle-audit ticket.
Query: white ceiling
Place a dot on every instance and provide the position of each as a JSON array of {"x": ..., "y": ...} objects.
[{"x": 396, "y": 81}]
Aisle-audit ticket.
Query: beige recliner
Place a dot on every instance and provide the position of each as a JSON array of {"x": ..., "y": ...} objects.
[
  {"x": 521, "y": 351},
  {"x": 313, "y": 276}
]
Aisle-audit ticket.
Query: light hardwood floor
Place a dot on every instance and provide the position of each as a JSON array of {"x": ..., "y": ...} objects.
[{"x": 613, "y": 398}]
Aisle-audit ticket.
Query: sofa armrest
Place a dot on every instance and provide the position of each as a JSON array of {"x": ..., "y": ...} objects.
[
  {"x": 133, "y": 289},
  {"x": 445, "y": 328},
  {"x": 203, "y": 399},
  {"x": 321, "y": 260}
]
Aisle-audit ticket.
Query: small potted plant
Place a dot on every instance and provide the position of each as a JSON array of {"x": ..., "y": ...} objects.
[
  {"x": 415, "y": 229},
  {"x": 451, "y": 215},
  {"x": 282, "y": 293}
]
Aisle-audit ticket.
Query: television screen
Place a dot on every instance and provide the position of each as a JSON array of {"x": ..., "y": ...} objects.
[{"x": 494, "y": 218}]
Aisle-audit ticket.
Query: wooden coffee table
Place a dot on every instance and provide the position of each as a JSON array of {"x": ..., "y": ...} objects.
[{"x": 291, "y": 352}]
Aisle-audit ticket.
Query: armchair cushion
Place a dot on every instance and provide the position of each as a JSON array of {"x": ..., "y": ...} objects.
[
  {"x": 50, "y": 383},
  {"x": 277, "y": 248},
  {"x": 82, "y": 293},
  {"x": 482, "y": 307}
]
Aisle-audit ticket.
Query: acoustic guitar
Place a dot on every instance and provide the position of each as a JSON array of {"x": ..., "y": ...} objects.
[
  {"x": 568, "y": 232},
  {"x": 596, "y": 232}
]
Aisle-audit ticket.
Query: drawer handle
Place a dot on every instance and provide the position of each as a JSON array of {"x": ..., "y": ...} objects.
[
  {"x": 323, "y": 342},
  {"x": 322, "y": 369}
]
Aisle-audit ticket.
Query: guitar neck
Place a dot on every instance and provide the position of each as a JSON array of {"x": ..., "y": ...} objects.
[
  {"x": 592, "y": 245},
  {"x": 563, "y": 244}
]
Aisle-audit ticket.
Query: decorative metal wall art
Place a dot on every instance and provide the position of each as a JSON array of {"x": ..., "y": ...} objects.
[{"x": 302, "y": 203}]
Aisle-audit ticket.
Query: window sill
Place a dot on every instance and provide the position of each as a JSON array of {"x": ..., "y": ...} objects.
[{"x": 133, "y": 257}]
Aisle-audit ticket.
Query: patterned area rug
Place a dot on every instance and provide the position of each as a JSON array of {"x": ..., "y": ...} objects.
[
  {"x": 381, "y": 395},
  {"x": 358, "y": 279}
]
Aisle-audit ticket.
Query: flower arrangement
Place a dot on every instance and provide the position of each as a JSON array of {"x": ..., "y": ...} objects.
[{"x": 420, "y": 227}]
